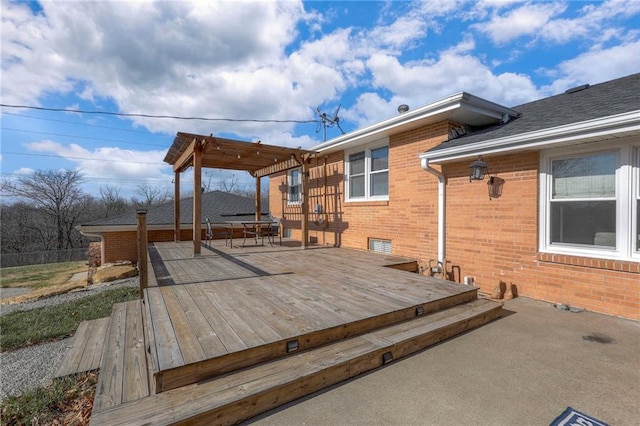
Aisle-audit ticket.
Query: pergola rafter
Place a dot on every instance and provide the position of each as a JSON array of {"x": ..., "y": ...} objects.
[{"x": 256, "y": 158}]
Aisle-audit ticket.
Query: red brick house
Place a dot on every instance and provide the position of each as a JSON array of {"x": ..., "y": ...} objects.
[{"x": 556, "y": 218}]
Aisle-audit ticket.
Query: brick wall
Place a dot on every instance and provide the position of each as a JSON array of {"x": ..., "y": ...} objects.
[
  {"x": 494, "y": 240},
  {"x": 408, "y": 219},
  {"x": 123, "y": 245}
]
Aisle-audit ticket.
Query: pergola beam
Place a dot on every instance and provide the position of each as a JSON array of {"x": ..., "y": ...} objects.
[{"x": 258, "y": 159}]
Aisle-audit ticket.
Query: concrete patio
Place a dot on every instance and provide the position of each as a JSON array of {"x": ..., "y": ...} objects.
[{"x": 524, "y": 369}]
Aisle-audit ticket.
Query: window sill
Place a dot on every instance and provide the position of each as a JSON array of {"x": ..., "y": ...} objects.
[
  {"x": 366, "y": 203},
  {"x": 590, "y": 262}
]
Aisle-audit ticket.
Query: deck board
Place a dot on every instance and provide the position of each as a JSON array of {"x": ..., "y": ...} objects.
[
  {"x": 228, "y": 301},
  {"x": 239, "y": 396},
  {"x": 85, "y": 352}
]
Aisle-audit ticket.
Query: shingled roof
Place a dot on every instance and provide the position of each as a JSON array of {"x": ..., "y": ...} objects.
[
  {"x": 577, "y": 105},
  {"x": 218, "y": 206}
]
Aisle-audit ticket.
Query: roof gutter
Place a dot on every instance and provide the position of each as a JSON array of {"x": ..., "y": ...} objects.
[
  {"x": 424, "y": 163},
  {"x": 598, "y": 128}
]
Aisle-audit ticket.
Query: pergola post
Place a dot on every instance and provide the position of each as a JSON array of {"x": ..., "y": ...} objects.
[
  {"x": 304, "y": 222},
  {"x": 258, "y": 199},
  {"x": 176, "y": 206},
  {"x": 141, "y": 221},
  {"x": 197, "y": 197}
]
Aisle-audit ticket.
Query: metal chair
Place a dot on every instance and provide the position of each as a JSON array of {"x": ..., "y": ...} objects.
[
  {"x": 213, "y": 232},
  {"x": 273, "y": 230}
]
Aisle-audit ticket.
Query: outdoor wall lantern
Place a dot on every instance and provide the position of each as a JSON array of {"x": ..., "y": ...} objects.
[
  {"x": 495, "y": 185},
  {"x": 477, "y": 169}
]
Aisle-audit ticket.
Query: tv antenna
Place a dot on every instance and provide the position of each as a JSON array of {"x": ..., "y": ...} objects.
[{"x": 326, "y": 121}]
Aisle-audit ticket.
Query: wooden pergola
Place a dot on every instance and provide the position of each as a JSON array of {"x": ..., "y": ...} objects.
[{"x": 260, "y": 160}]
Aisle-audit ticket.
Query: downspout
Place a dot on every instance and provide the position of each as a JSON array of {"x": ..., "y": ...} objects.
[{"x": 424, "y": 163}]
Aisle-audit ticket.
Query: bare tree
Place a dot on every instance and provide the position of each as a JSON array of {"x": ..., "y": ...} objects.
[
  {"x": 151, "y": 196},
  {"x": 57, "y": 194},
  {"x": 229, "y": 185},
  {"x": 112, "y": 202}
]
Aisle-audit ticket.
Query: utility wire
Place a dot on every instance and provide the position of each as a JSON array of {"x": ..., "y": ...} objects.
[
  {"x": 121, "y": 114},
  {"x": 64, "y": 157},
  {"x": 92, "y": 138},
  {"x": 94, "y": 126}
]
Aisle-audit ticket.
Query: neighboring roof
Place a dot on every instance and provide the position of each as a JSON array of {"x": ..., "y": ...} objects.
[
  {"x": 610, "y": 108},
  {"x": 461, "y": 108},
  {"x": 218, "y": 206},
  {"x": 254, "y": 157}
]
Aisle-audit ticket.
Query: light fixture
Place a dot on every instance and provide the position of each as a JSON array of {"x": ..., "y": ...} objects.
[
  {"x": 419, "y": 311},
  {"x": 495, "y": 185},
  {"x": 387, "y": 357},
  {"x": 478, "y": 169},
  {"x": 292, "y": 346},
  {"x": 238, "y": 156}
]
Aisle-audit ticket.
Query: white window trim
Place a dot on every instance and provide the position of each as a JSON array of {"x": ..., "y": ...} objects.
[
  {"x": 367, "y": 172},
  {"x": 289, "y": 173},
  {"x": 626, "y": 178}
]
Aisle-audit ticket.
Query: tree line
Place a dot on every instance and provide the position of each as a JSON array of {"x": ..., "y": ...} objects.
[{"x": 47, "y": 206}]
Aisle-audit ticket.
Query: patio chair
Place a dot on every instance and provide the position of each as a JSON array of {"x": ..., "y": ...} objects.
[
  {"x": 273, "y": 230},
  {"x": 213, "y": 232}
]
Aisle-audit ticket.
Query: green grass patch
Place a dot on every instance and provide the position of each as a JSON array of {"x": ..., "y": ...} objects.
[
  {"x": 68, "y": 400},
  {"x": 38, "y": 276},
  {"x": 26, "y": 328}
]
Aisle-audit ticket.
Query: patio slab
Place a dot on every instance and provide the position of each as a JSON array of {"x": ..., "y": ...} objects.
[{"x": 524, "y": 368}]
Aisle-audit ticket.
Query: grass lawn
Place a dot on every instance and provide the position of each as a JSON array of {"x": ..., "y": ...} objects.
[
  {"x": 26, "y": 328},
  {"x": 39, "y": 276},
  {"x": 67, "y": 401}
]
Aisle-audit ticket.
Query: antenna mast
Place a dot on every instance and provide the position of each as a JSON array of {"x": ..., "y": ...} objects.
[{"x": 326, "y": 121}]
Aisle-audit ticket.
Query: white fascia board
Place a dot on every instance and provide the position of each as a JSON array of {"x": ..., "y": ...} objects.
[
  {"x": 444, "y": 106},
  {"x": 547, "y": 138}
]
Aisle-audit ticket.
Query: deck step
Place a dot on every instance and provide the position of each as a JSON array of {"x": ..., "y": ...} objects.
[
  {"x": 124, "y": 375},
  {"x": 87, "y": 346},
  {"x": 246, "y": 393}
]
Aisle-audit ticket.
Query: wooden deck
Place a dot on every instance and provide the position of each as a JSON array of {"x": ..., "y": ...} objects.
[
  {"x": 232, "y": 308},
  {"x": 226, "y": 335}
]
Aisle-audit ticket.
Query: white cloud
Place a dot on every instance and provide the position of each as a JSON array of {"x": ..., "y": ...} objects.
[
  {"x": 109, "y": 164},
  {"x": 421, "y": 82},
  {"x": 527, "y": 19},
  {"x": 611, "y": 63}
]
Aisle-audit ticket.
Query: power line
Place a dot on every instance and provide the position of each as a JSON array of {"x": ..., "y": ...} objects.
[
  {"x": 78, "y": 158},
  {"x": 83, "y": 137},
  {"x": 120, "y": 129},
  {"x": 122, "y": 114}
]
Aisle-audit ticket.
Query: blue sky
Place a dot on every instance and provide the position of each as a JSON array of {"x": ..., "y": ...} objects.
[{"x": 262, "y": 60}]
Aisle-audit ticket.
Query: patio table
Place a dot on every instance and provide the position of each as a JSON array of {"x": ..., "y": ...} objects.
[{"x": 251, "y": 228}]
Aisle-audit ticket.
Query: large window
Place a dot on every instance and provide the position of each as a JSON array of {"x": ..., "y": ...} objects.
[
  {"x": 591, "y": 202},
  {"x": 294, "y": 185},
  {"x": 367, "y": 173}
]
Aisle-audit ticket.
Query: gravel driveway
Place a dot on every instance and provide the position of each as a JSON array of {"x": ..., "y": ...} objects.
[{"x": 33, "y": 367}]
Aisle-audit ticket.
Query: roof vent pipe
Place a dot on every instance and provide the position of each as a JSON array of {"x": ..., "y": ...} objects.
[{"x": 403, "y": 108}]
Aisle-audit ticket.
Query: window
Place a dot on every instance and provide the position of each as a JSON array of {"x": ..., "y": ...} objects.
[
  {"x": 381, "y": 246},
  {"x": 367, "y": 174},
  {"x": 294, "y": 186},
  {"x": 591, "y": 202}
]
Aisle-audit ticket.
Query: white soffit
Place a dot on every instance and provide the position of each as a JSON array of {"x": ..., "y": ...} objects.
[
  {"x": 462, "y": 107},
  {"x": 612, "y": 127}
]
